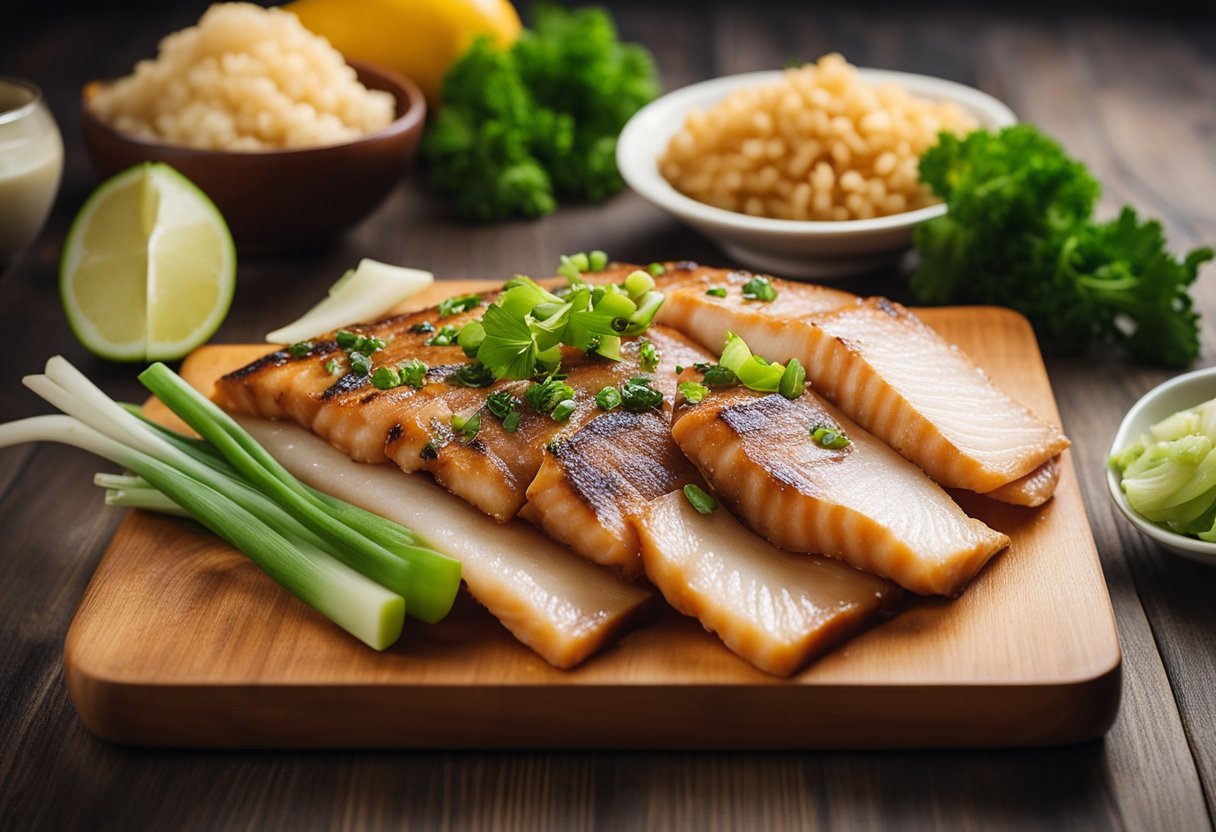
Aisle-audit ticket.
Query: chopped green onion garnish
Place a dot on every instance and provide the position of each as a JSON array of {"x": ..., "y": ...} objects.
[
  {"x": 563, "y": 410},
  {"x": 637, "y": 395},
  {"x": 360, "y": 364},
  {"x": 649, "y": 355},
  {"x": 828, "y": 436},
  {"x": 656, "y": 269},
  {"x": 300, "y": 348},
  {"x": 422, "y": 328},
  {"x": 443, "y": 337},
  {"x": 548, "y": 394},
  {"x": 501, "y": 403},
  {"x": 511, "y": 422},
  {"x": 608, "y": 399},
  {"x": 699, "y": 499},
  {"x": 430, "y": 450},
  {"x": 638, "y": 283},
  {"x": 473, "y": 374},
  {"x": 457, "y": 304},
  {"x": 572, "y": 267},
  {"x": 759, "y": 288},
  {"x": 333, "y": 366},
  {"x": 793, "y": 380},
  {"x": 693, "y": 392},
  {"x": 470, "y": 337},
  {"x": 386, "y": 378},
  {"x": 353, "y": 342},
  {"x": 413, "y": 373},
  {"x": 715, "y": 375},
  {"x": 716, "y": 292},
  {"x": 466, "y": 427},
  {"x": 754, "y": 372},
  {"x": 597, "y": 260}
]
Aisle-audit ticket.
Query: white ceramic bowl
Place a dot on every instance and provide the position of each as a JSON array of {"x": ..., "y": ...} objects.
[
  {"x": 1178, "y": 393},
  {"x": 789, "y": 248}
]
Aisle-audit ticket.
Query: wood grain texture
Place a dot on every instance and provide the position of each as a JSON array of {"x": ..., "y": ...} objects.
[
  {"x": 181, "y": 641},
  {"x": 1069, "y": 71}
]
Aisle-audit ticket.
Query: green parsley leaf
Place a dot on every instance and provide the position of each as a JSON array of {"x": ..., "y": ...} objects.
[
  {"x": 473, "y": 374},
  {"x": 501, "y": 403},
  {"x": 649, "y": 356},
  {"x": 638, "y": 396},
  {"x": 693, "y": 392},
  {"x": 1019, "y": 232},
  {"x": 510, "y": 422},
  {"x": 715, "y": 375}
]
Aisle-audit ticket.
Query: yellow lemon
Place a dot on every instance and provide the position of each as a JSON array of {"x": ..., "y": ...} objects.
[{"x": 421, "y": 39}]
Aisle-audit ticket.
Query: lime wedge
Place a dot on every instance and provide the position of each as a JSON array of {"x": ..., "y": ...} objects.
[
  {"x": 148, "y": 268},
  {"x": 362, "y": 294}
]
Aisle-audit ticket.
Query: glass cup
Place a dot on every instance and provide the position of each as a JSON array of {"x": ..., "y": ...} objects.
[{"x": 31, "y": 162}]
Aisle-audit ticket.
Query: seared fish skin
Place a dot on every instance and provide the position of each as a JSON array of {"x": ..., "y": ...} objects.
[
  {"x": 599, "y": 478},
  {"x": 889, "y": 372},
  {"x": 775, "y": 609},
  {"x": 862, "y": 503}
]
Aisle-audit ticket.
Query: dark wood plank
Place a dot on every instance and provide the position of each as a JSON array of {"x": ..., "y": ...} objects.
[{"x": 1086, "y": 77}]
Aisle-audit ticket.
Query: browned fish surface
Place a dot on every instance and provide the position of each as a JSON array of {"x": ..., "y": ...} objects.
[
  {"x": 889, "y": 372},
  {"x": 862, "y": 503},
  {"x": 599, "y": 478},
  {"x": 584, "y": 478},
  {"x": 775, "y": 609}
]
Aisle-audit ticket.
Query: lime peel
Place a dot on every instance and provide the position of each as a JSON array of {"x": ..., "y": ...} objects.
[{"x": 364, "y": 293}]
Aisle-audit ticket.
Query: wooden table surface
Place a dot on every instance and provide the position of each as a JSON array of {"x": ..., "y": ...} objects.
[{"x": 1134, "y": 97}]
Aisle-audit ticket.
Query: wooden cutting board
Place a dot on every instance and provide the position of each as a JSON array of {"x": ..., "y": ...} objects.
[{"x": 181, "y": 641}]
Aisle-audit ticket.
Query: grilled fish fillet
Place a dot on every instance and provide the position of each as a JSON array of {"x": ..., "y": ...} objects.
[
  {"x": 889, "y": 372},
  {"x": 775, "y": 609},
  {"x": 599, "y": 478},
  {"x": 862, "y": 503},
  {"x": 583, "y": 479},
  {"x": 562, "y": 607}
]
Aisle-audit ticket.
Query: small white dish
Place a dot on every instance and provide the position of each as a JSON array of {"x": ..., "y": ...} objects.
[
  {"x": 789, "y": 248},
  {"x": 1179, "y": 393}
]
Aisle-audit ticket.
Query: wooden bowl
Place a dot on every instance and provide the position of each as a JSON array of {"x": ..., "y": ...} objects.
[{"x": 276, "y": 200}]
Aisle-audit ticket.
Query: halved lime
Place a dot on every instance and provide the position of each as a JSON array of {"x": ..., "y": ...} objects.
[{"x": 148, "y": 268}]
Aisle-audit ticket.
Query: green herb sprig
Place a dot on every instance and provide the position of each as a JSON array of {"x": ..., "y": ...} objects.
[{"x": 1019, "y": 232}]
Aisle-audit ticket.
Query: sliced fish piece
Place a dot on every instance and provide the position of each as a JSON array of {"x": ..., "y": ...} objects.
[
  {"x": 562, "y": 607},
  {"x": 889, "y": 372},
  {"x": 862, "y": 503},
  {"x": 775, "y": 609},
  {"x": 599, "y": 477}
]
